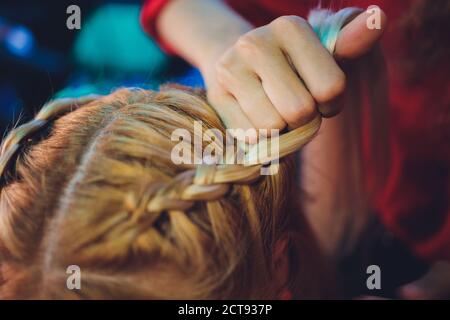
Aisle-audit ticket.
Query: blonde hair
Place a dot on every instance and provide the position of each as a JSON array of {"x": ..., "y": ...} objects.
[
  {"x": 95, "y": 186},
  {"x": 101, "y": 192}
]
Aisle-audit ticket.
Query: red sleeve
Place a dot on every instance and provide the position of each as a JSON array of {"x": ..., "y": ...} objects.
[
  {"x": 415, "y": 205},
  {"x": 149, "y": 14}
]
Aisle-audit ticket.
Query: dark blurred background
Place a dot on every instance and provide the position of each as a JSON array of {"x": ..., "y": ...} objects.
[{"x": 41, "y": 59}]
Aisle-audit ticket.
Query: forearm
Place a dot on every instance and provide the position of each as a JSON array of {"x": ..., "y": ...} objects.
[{"x": 200, "y": 30}]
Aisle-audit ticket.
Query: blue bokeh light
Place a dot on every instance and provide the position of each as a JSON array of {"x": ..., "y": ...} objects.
[{"x": 19, "y": 41}]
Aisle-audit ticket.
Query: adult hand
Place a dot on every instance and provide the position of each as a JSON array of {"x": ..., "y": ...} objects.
[{"x": 276, "y": 75}]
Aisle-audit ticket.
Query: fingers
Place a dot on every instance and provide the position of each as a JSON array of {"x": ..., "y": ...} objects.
[
  {"x": 292, "y": 100},
  {"x": 255, "y": 104},
  {"x": 257, "y": 69},
  {"x": 280, "y": 74},
  {"x": 247, "y": 89},
  {"x": 277, "y": 81},
  {"x": 317, "y": 68},
  {"x": 356, "y": 39},
  {"x": 231, "y": 113}
]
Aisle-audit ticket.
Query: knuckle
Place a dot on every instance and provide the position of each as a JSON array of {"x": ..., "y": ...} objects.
[
  {"x": 289, "y": 23},
  {"x": 331, "y": 89},
  {"x": 225, "y": 62},
  {"x": 222, "y": 70},
  {"x": 272, "y": 124},
  {"x": 249, "y": 44},
  {"x": 302, "y": 112}
]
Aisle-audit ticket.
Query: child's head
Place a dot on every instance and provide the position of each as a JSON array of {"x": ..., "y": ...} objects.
[{"x": 96, "y": 188}]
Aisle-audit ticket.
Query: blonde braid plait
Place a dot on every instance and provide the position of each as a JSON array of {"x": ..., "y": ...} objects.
[
  {"x": 205, "y": 182},
  {"x": 13, "y": 141}
]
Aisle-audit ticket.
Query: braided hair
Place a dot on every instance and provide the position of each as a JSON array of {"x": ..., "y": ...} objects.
[{"x": 90, "y": 182}]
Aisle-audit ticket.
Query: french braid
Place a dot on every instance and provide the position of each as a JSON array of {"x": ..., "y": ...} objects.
[
  {"x": 116, "y": 204},
  {"x": 11, "y": 144},
  {"x": 207, "y": 182}
]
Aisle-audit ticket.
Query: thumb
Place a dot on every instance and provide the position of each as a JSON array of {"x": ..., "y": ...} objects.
[{"x": 357, "y": 38}]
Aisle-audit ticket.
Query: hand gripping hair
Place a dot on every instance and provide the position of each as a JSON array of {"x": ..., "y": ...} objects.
[{"x": 90, "y": 182}]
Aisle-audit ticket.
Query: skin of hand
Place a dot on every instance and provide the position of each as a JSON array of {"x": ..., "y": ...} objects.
[
  {"x": 269, "y": 77},
  {"x": 278, "y": 74}
]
